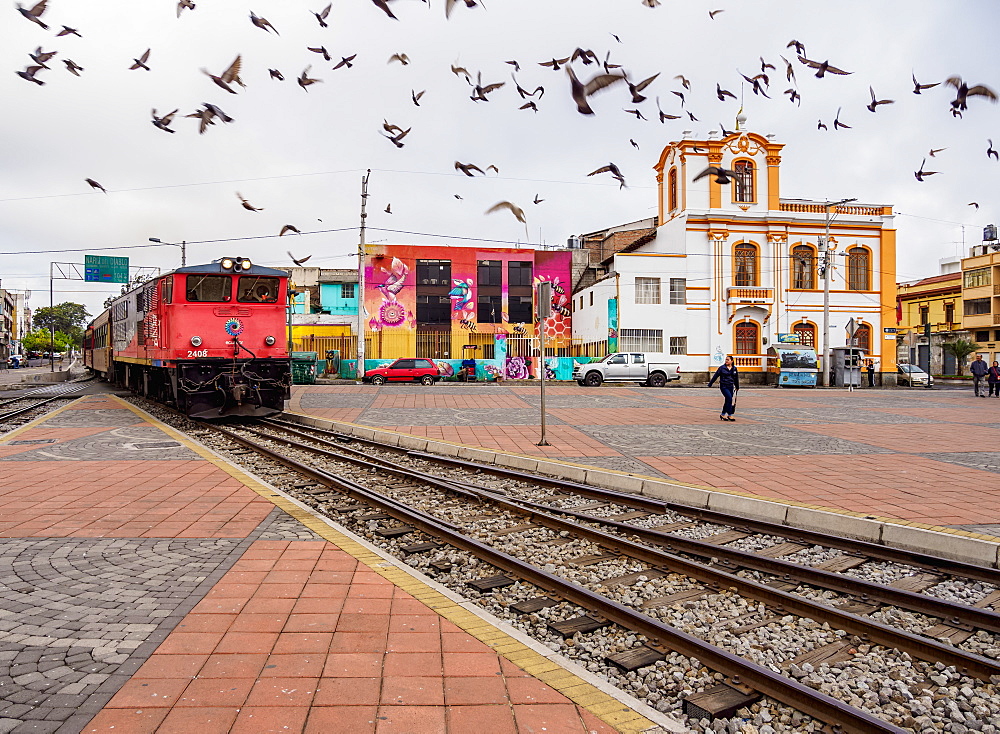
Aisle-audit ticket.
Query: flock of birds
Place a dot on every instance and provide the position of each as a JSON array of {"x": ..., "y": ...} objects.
[{"x": 581, "y": 87}]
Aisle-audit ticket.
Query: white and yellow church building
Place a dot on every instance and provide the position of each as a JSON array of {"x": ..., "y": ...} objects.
[{"x": 731, "y": 268}]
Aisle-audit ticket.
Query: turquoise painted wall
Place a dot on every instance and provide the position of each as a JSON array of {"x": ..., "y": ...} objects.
[{"x": 332, "y": 300}]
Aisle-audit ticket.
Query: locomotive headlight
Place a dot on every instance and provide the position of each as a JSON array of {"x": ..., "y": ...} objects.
[
  {"x": 269, "y": 340},
  {"x": 195, "y": 341},
  {"x": 245, "y": 263},
  {"x": 227, "y": 263}
]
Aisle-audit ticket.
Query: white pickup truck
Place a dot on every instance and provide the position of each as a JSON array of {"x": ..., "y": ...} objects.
[{"x": 650, "y": 369}]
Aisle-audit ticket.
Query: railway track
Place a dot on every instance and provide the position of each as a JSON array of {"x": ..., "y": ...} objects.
[{"x": 652, "y": 584}]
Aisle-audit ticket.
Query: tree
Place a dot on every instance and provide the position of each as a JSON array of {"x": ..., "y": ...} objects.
[
  {"x": 39, "y": 341},
  {"x": 67, "y": 318},
  {"x": 960, "y": 349}
]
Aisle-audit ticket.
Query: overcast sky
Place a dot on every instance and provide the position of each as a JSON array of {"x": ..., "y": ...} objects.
[{"x": 300, "y": 155}]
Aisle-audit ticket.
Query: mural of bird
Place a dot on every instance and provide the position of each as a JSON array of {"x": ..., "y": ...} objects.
[{"x": 395, "y": 277}]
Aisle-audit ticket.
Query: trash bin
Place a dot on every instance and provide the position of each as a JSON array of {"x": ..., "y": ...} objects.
[{"x": 303, "y": 368}]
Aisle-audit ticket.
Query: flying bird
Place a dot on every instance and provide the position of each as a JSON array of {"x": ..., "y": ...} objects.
[
  {"x": 397, "y": 139},
  {"x": 663, "y": 115},
  {"x": 321, "y": 15},
  {"x": 822, "y": 67},
  {"x": 34, "y": 14},
  {"x": 230, "y": 75},
  {"x": 415, "y": 96},
  {"x": 457, "y": 197},
  {"x": 555, "y": 64},
  {"x": 964, "y": 91},
  {"x": 582, "y": 91},
  {"x": 468, "y": 168},
  {"x": 479, "y": 91},
  {"x": 456, "y": 70},
  {"x": 512, "y": 208},
  {"x": 789, "y": 70},
  {"x": 29, "y": 74},
  {"x": 800, "y": 48},
  {"x": 713, "y": 13},
  {"x": 723, "y": 93},
  {"x": 304, "y": 80},
  {"x": 345, "y": 61},
  {"x": 837, "y": 123},
  {"x": 164, "y": 121},
  {"x": 517, "y": 66},
  {"x": 685, "y": 82},
  {"x": 530, "y": 105},
  {"x": 537, "y": 200},
  {"x": 921, "y": 173},
  {"x": 613, "y": 170},
  {"x": 72, "y": 67},
  {"x": 275, "y": 74},
  {"x": 140, "y": 63},
  {"x": 291, "y": 228},
  {"x": 990, "y": 153},
  {"x": 722, "y": 175},
  {"x": 247, "y": 205},
  {"x": 494, "y": 169},
  {"x": 793, "y": 96},
  {"x": 321, "y": 50},
  {"x": 184, "y": 4},
  {"x": 539, "y": 90},
  {"x": 40, "y": 57},
  {"x": 918, "y": 87},
  {"x": 679, "y": 94},
  {"x": 449, "y": 4},
  {"x": 650, "y": 3},
  {"x": 934, "y": 151},
  {"x": 638, "y": 114},
  {"x": 206, "y": 116},
  {"x": 755, "y": 81},
  {"x": 263, "y": 24},
  {"x": 587, "y": 56},
  {"x": 92, "y": 182},
  {"x": 384, "y": 5},
  {"x": 876, "y": 102},
  {"x": 401, "y": 58},
  {"x": 298, "y": 261},
  {"x": 634, "y": 144},
  {"x": 821, "y": 125},
  {"x": 691, "y": 116},
  {"x": 636, "y": 88},
  {"x": 67, "y": 31},
  {"x": 974, "y": 203},
  {"x": 388, "y": 208}
]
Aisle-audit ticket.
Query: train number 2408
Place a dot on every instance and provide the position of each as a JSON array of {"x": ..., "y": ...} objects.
[{"x": 197, "y": 353}]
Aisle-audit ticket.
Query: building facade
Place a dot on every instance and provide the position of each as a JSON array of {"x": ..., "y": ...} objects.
[
  {"x": 934, "y": 302},
  {"x": 732, "y": 266},
  {"x": 981, "y": 298}
]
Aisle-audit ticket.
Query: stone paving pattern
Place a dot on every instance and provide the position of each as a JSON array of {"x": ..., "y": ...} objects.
[
  {"x": 144, "y": 588},
  {"x": 927, "y": 456}
]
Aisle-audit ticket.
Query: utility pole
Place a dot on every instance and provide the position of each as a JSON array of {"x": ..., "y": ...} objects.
[
  {"x": 827, "y": 267},
  {"x": 361, "y": 278},
  {"x": 543, "y": 309}
]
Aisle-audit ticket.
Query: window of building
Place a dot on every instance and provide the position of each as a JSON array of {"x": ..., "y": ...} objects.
[
  {"x": 490, "y": 272},
  {"x": 433, "y": 272},
  {"x": 925, "y": 314},
  {"x": 678, "y": 345},
  {"x": 519, "y": 309},
  {"x": 807, "y": 334},
  {"x": 347, "y": 290},
  {"x": 747, "y": 337},
  {"x": 803, "y": 267},
  {"x": 977, "y": 277},
  {"x": 859, "y": 269},
  {"x": 976, "y": 306},
  {"x": 209, "y": 288},
  {"x": 490, "y": 309},
  {"x": 647, "y": 290},
  {"x": 519, "y": 273},
  {"x": 433, "y": 309},
  {"x": 745, "y": 264},
  {"x": 640, "y": 340},
  {"x": 678, "y": 290},
  {"x": 982, "y": 336},
  {"x": 743, "y": 183},
  {"x": 592, "y": 298},
  {"x": 257, "y": 289},
  {"x": 949, "y": 313},
  {"x": 673, "y": 189},
  {"x": 863, "y": 337}
]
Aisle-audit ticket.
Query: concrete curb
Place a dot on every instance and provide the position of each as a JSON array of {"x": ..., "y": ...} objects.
[{"x": 956, "y": 545}]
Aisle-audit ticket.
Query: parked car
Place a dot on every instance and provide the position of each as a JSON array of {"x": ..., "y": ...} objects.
[
  {"x": 910, "y": 374},
  {"x": 423, "y": 371},
  {"x": 650, "y": 369}
]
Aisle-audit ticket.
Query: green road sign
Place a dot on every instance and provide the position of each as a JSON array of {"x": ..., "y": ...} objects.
[{"x": 101, "y": 269}]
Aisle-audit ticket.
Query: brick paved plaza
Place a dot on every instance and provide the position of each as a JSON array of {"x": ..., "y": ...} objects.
[{"x": 928, "y": 456}]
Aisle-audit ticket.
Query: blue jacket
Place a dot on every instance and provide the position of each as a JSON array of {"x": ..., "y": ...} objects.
[
  {"x": 727, "y": 377},
  {"x": 979, "y": 367}
]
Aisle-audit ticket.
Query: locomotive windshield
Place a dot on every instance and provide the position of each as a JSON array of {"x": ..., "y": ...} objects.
[
  {"x": 258, "y": 289},
  {"x": 209, "y": 288}
]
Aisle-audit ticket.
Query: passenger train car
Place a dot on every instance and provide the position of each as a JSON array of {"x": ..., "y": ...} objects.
[{"x": 208, "y": 339}]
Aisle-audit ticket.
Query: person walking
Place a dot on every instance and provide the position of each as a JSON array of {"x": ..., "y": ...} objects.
[
  {"x": 978, "y": 369},
  {"x": 729, "y": 383},
  {"x": 871, "y": 373},
  {"x": 993, "y": 378}
]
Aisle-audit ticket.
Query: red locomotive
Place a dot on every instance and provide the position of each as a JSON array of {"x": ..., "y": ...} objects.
[{"x": 208, "y": 339}]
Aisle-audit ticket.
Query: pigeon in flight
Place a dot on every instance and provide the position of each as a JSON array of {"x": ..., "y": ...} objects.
[
  {"x": 613, "y": 170},
  {"x": 921, "y": 173},
  {"x": 230, "y": 75},
  {"x": 247, "y": 205},
  {"x": 345, "y": 61},
  {"x": 468, "y": 168},
  {"x": 72, "y": 67},
  {"x": 29, "y": 74},
  {"x": 722, "y": 175},
  {"x": 140, "y": 63},
  {"x": 321, "y": 15},
  {"x": 33, "y": 14},
  {"x": 263, "y": 23},
  {"x": 291, "y": 228},
  {"x": 93, "y": 183},
  {"x": 164, "y": 121},
  {"x": 964, "y": 91},
  {"x": 304, "y": 80},
  {"x": 918, "y": 87},
  {"x": 582, "y": 91},
  {"x": 184, "y": 4},
  {"x": 297, "y": 261},
  {"x": 876, "y": 102},
  {"x": 67, "y": 31},
  {"x": 512, "y": 208},
  {"x": 823, "y": 67}
]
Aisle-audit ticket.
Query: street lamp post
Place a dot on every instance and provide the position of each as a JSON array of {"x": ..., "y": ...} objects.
[
  {"x": 827, "y": 267},
  {"x": 182, "y": 245}
]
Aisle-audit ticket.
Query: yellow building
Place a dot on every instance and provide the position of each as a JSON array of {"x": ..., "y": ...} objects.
[
  {"x": 936, "y": 301},
  {"x": 981, "y": 300}
]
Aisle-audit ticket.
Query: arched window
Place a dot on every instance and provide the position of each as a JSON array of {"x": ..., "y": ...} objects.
[
  {"x": 747, "y": 338},
  {"x": 863, "y": 337},
  {"x": 807, "y": 334},
  {"x": 745, "y": 264},
  {"x": 859, "y": 269},
  {"x": 673, "y": 189},
  {"x": 743, "y": 184},
  {"x": 803, "y": 267}
]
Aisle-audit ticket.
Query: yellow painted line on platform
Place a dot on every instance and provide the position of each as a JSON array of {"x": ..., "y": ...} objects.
[
  {"x": 39, "y": 420},
  {"x": 604, "y": 706}
]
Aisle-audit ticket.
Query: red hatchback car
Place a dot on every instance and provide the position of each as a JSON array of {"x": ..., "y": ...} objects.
[{"x": 423, "y": 371}]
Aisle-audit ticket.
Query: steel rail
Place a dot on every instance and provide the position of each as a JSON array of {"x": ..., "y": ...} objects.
[
  {"x": 866, "y": 591},
  {"x": 814, "y": 703},
  {"x": 20, "y": 411}
]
